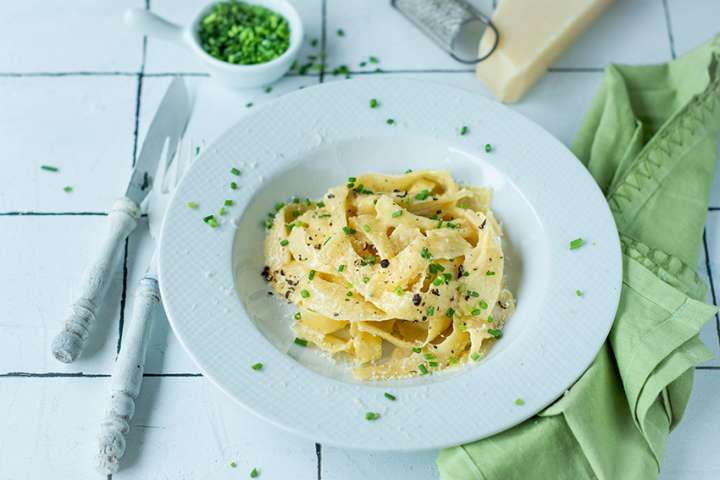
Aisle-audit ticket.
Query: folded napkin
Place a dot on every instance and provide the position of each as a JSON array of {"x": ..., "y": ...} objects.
[{"x": 650, "y": 141}]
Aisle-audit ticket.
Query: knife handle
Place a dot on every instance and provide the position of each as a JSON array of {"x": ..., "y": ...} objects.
[
  {"x": 127, "y": 376},
  {"x": 68, "y": 344}
]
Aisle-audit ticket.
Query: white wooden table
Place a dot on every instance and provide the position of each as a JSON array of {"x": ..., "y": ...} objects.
[{"x": 77, "y": 90}]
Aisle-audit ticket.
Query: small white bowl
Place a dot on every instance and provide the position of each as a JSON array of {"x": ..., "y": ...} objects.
[{"x": 231, "y": 75}]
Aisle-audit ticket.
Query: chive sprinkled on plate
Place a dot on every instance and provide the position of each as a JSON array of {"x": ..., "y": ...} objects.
[
  {"x": 475, "y": 312},
  {"x": 49, "y": 168},
  {"x": 340, "y": 32},
  {"x": 300, "y": 341},
  {"x": 311, "y": 274},
  {"x": 372, "y": 416},
  {"x": 390, "y": 121},
  {"x": 464, "y": 130},
  {"x": 489, "y": 273},
  {"x": 579, "y": 293},
  {"x": 304, "y": 294},
  {"x": 314, "y": 42},
  {"x": 397, "y": 213},
  {"x": 577, "y": 243},
  {"x": 233, "y": 465},
  {"x": 422, "y": 195},
  {"x": 430, "y": 311},
  {"x": 495, "y": 332},
  {"x": 425, "y": 253},
  {"x": 211, "y": 220},
  {"x": 399, "y": 291},
  {"x": 249, "y": 104},
  {"x": 268, "y": 89},
  {"x": 483, "y": 304},
  {"x": 284, "y": 242},
  {"x": 68, "y": 189},
  {"x": 366, "y": 227},
  {"x": 449, "y": 312},
  {"x": 374, "y": 103},
  {"x": 233, "y": 185},
  {"x": 390, "y": 396},
  {"x": 254, "y": 473},
  {"x": 229, "y": 203},
  {"x": 297, "y": 316},
  {"x": 349, "y": 231},
  {"x": 341, "y": 268},
  {"x": 221, "y": 212},
  {"x": 365, "y": 279},
  {"x": 519, "y": 402},
  {"x": 373, "y": 59},
  {"x": 488, "y": 148},
  {"x": 416, "y": 349},
  {"x": 257, "y": 366},
  {"x": 422, "y": 369},
  {"x": 235, "y": 171}
]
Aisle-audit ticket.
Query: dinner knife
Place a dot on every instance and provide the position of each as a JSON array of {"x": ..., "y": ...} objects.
[{"x": 168, "y": 125}]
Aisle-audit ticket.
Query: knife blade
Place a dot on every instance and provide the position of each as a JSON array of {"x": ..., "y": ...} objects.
[{"x": 168, "y": 125}]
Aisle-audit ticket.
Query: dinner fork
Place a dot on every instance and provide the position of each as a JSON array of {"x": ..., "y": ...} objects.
[{"x": 127, "y": 374}]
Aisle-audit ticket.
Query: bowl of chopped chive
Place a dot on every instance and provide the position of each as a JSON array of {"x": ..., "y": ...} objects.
[{"x": 241, "y": 44}]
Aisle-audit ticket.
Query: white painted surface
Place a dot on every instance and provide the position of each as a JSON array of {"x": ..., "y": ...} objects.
[{"x": 183, "y": 428}]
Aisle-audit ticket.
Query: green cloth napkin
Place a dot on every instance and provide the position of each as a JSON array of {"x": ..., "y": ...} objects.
[{"x": 649, "y": 140}]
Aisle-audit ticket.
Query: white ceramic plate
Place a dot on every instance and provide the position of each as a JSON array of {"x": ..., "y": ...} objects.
[{"x": 307, "y": 141}]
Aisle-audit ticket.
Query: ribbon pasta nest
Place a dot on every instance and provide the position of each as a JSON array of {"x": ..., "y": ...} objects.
[{"x": 403, "y": 274}]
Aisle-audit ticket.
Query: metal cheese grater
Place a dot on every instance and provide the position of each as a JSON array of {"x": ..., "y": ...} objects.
[{"x": 454, "y": 25}]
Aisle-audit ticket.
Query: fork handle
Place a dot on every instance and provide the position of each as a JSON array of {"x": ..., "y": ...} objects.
[
  {"x": 127, "y": 376},
  {"x": 68, "y": 344}
]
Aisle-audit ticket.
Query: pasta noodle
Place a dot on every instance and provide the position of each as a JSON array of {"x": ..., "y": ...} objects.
[{"x": 402, "y": 274}]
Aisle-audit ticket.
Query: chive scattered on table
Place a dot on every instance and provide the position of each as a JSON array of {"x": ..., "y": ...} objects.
[
  {"x": 221, "y": 212},
  {"x": 579, "y": 293},
  {"x": 373, "y": 59},
  {"x": 233, "y": 465},
  {"x": 235, "y": 171},
  {"x": 211, "y": 220},
  {"x": 249, "y": 104},
  {"x": 340, "y": 32},
  {"x": 49, "y": 168},
  {"x": 229, "y": 203},
  {"x": 519, "y": 402},
  {"x": 372, "y": 416},
  {"x": 68, "y": 189},
  {"x": 233, "y": 185},
  {"x": 390, "y": 396},
  {"x": 268, "y": 89},
  {"x": 488, "y": 148},
  {"x": 373, "y": 103},
  {"x": 257, "y": 366},
  {"x": 254, "y": 473},
  {"x": 464, "y": 130},
  {"x": 390, "y": 121}
]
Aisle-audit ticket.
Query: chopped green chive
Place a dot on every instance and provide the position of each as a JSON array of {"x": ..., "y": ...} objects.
[
  {"x": 429, "y": 356},
  {"x": 268, "y": 89},
  {"x": 320, "y": 204},
  {"x": 325, "y": 215},
  {"x": 233, "y": 185},
  {"x": 341, "y": 268},
  {"x": 365, "y": 279},
  {"x": 490, "y": 319},
  {"x": 390, "y": 396},
  {"x": 417, "y": 349},
  {"x": 352, "y": 179},
  {"x": 373, "y": 59},
  {"x": 372, "y": 416},
  {"x": 422, "y": 195},
  {"x": 211, "y": 220},
  {"x": 475, "y": 312},
  {"x": 348, "y": 294},
  {"x": 519, "y": 402},
  {"x": 279, "y": 205},
  {"x": 366, "y": 227},
  {"x": 314, "y": 42},
  {"x": 257, "y": 366},
  {"x": 304, "y": 294},
  {"x": 311, "y": 274},
  {"x": 254, "y": 473},
  {"x": 409, "y": 170},
  {"x": 473, "y": 293},
  {"x": 284, "y": 242},
  {"x": 390, "y": 121},
  {"x": 340, "y": 32},
  {"x": 579, "y": 293},
  {"x": 300, "y": 341},
  {"x": 297, "y": 316},
  {"x": 438, "y": 281},
  {"x": 464, "y": 130},
  {"x": 49, "y": 168},
  {"x": 68, "y": 189},
  {"x": 452, "y": 360},
  {"x": 425, "y": 253},
  {"x": 349, "y": 231},
  {"x": 235, "y": 171},
  {"x": 399, "y": 291},
  {"x": 433, "y": 363},
  {"x": 483, "y": 304},
  {"x": 489, "y": 273},
  {"x": 462, "y": 327},
  {"x": 249, "y": 104},
  {"x": 449, "y": 312},
  {"x": 397, "y": 213},
  {"x": 495, "y": 332},
  {"x": 229, "y": 203},
  {"x": 446, "y": 277},
  {"x": 475, "y": 356},
  {"x": 435, "y": 268},
  {"x": 577, "y": 243},
  {"x": 221, "y": 212},
  {"x": 197, "y": 150},
  {"x": 422, "y": 369},
  {"x": 373, "y": 103},
  {"x": 488, "y": 148},
  {"x": 430, "y": 311},
  {"x": 233, "y": 465}
]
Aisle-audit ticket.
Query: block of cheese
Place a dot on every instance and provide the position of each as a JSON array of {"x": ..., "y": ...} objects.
[{"x": 533, "y": 33}]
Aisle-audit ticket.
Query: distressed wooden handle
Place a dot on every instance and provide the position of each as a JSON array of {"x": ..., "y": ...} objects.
[
  {"x": 68, "y": 344},
  {"x": 127, "y": 378}
]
